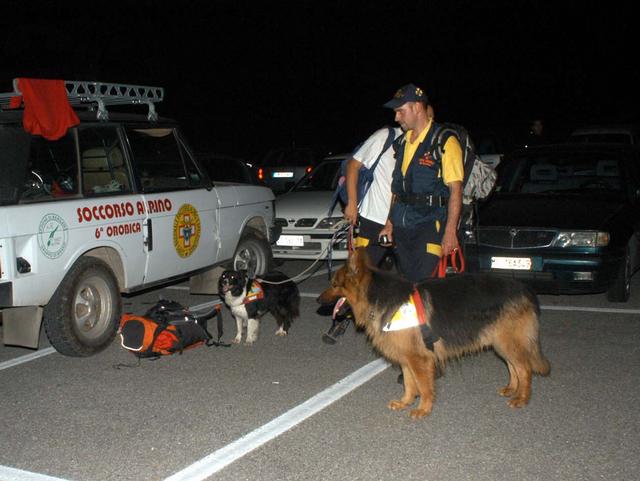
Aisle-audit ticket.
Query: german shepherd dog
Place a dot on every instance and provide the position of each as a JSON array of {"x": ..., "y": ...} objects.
[{"x": 465, "y": 313}]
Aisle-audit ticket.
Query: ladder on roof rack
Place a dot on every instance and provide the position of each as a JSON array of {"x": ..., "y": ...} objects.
[{"x": 102, "y": 94}]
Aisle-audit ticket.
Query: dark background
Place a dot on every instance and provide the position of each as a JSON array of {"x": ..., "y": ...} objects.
[{"x": 243, "y": 77}]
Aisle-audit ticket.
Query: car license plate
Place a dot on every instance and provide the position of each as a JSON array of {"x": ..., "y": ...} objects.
[
  {"x": 282, "y": 175},
  {"x": 290, "y": 241},
  {"x": 516, "y": 263}
]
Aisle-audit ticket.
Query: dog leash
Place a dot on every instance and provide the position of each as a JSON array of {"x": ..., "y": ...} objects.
[
  {"x": 342, "y": 228},
  {"x": 457, "y": 263}
]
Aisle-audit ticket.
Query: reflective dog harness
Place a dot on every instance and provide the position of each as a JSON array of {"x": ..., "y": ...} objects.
[
  {"x": 412, "y": 314},
  {"x": 255, "y": 293}
]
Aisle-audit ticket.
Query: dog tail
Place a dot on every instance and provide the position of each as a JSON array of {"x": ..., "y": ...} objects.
[{"x": 540, "y": 364}]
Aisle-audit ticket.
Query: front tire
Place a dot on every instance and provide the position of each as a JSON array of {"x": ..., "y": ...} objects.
[
  {"x": 252, "y": 255},
  {"x": 620, "y": 290},
  {"x": 82, "y": 317}
]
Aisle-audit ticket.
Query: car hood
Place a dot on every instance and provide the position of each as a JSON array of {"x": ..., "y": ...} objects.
[
  {"x": 294, "y": 205},
  {"x": 563, "y": 211}
]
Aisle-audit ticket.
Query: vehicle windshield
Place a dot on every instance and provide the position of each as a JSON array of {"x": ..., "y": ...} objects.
[
  {"x": 560, "y": 172},
  {"x": 323, "y": 177},
  {"x": 601, "y": 138}
]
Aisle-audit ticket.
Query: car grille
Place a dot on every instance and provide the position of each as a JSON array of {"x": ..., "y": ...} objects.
[{"x": 515, "y": 238}]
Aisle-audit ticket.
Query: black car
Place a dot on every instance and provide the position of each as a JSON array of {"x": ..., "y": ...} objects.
[{"x": 564, "y": 218}]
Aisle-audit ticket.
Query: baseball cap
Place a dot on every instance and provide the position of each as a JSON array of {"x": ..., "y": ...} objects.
[{"x": 408, "y": 93}]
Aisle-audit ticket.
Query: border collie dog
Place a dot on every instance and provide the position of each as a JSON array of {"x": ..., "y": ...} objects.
[{"x": 249, "y": 299}]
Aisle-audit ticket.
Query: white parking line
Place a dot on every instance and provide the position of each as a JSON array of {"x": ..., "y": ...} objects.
[
  {"x": 12, "y": 474},
  {"x": 610, "y": 310},
  {"x": 217, "y": 460},
  {"x": 26, "y": 358}
]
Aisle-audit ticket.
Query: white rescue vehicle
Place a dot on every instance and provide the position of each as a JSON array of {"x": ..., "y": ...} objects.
[{"x": 117, "y": 204}]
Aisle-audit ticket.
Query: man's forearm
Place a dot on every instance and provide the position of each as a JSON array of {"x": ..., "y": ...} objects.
[
  {"x": 353, "y": 170},
  {"x": 454, "y": 207}
]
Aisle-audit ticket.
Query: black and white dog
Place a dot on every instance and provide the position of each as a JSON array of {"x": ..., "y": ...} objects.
[{"x": 249, "y": 300}]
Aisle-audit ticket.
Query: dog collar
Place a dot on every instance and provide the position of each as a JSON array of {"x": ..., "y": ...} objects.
[{"x": 255, "y": 293}]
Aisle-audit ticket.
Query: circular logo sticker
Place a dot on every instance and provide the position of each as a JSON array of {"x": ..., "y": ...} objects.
[
  {"x": 53, "y": 236},
  {"x": 186, "y": 230}
]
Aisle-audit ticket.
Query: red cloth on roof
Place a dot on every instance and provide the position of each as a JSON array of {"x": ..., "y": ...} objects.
[{"x": 47, "y": 111}]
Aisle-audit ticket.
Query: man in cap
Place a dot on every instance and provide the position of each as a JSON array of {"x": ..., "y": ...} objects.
[{"x": 427, "y": 190}]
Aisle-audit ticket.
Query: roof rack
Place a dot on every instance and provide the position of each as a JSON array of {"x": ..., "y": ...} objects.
[{"x": 101, "y": 94}]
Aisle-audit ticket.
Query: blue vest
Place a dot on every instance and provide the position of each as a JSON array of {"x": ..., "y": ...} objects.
[{"x": 423, "y": 176}]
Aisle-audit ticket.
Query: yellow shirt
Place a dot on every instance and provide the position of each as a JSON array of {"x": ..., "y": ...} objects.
[{"x": 452, "y": 167}]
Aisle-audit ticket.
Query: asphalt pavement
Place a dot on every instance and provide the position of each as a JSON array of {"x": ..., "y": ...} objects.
[{"x": 295, "y": 408}]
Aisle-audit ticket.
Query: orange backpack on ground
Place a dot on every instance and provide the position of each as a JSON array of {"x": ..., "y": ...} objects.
[{"x": 165, "y": 329}]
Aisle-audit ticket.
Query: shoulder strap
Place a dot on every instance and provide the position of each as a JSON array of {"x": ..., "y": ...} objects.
[
  {"x": 441, "y": 136},
  {"x": 385, "y": 147}
]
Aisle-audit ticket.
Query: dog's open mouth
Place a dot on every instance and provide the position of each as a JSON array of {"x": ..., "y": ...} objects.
[{"x": 340, "y": 308}]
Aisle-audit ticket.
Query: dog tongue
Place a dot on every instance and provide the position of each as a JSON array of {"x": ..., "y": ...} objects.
[{"x": 337, "y": 307}]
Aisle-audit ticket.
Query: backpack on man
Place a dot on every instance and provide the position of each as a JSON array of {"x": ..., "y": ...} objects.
[
  {"x": 365, "y": 174},
  {"x": 479, "y": 178}
]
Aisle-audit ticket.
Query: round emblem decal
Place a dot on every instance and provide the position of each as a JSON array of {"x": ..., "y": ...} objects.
[
  {"x": 53, "y": 236},
  {"x": 186, "y": 230}
]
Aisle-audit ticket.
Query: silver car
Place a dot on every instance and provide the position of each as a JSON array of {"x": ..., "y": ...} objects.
[{"x": 310, "y": 223}]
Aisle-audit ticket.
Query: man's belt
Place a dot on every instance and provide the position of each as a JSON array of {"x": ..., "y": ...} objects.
[{"x": 423, "y": 199}]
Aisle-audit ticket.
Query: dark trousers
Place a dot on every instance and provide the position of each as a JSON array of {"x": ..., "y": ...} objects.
[
  {"x": 368, "y": 237},
  {"x": 417, "y": 250}
]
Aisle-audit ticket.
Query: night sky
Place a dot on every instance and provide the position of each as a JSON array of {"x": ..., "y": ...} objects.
[{"x": 243, "y": 77}]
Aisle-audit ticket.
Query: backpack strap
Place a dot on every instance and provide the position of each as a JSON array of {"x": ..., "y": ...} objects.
[
  {"x": 444, "y": 133},
  {"x": 385, "y": 147}
]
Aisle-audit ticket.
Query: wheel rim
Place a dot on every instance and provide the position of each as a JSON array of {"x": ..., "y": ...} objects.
[
  {"x": 250, "y": 259},
  {"x": 92, "y": 308}
]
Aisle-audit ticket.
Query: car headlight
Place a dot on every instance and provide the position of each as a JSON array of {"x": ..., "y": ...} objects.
[
  {"x": 582, "y": 239},
  {"x": 328, "y": 222}
]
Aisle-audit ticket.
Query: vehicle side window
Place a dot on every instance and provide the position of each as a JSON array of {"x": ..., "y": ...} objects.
[
  {"x": 161, "y": 162},
  {"x": 52, "y": 171},
  {"x": 226, "y": 170},
  {"x": 104, "y": 169}
]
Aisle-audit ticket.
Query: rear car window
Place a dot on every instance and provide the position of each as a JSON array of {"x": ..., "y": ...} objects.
[
  {"x": 51, "y": 170},
  {"x": 14, "y": 158}
]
